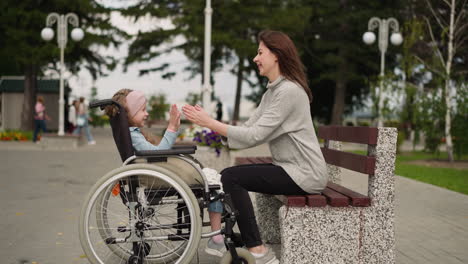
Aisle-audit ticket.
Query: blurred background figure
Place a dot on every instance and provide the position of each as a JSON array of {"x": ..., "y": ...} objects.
[
  {"x": 219, "y": 111},
  {"x": 72, "y": 116},
  {"x": 82, "y": 121},
  {"x": 40, "y": 117}
]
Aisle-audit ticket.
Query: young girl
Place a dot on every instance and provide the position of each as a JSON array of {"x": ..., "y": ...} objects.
[{"x": 134, "y": 103}]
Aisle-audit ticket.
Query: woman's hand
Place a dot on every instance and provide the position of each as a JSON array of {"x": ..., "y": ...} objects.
[
  {"x": 174, "y": 119},
  {"x": 197, "y": 115}
]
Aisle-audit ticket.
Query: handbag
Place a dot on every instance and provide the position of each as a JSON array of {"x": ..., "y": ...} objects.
[{"x": 80, "y": 121}]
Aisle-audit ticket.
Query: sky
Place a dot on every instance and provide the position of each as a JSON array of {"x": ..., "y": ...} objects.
[{"x": 175, "y": 89}]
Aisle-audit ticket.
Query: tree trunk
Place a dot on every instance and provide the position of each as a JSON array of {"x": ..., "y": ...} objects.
[
  {"x": 448, "y": 97},
  {"x": 30, "y": 86},
  {"x": 341, "y": 81},
  {"x": 340, "y": 91},
  {"x": 240, "y": 72}
]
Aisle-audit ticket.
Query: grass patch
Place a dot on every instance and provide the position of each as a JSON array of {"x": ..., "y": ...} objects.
[
  {"x": 449, "y": 178},
  {"x": 452, "y": 179}
]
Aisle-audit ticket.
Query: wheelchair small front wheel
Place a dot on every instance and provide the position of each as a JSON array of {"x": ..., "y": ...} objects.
[
  {"x": 243, "y": 254},
  {"x": 140, "y": 210}
]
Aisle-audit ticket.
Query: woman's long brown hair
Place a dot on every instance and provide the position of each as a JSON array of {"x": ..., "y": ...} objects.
[{"x": 290, "y": 64}]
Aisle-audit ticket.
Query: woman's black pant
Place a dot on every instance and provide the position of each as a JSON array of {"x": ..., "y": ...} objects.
[{"x": 261, "y": 178}]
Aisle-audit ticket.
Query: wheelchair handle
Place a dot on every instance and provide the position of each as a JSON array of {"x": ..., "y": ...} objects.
[{"x": 103, "y": 103}]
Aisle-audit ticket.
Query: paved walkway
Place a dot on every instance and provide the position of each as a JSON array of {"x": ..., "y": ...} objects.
[{"x": 42, "y": 192}]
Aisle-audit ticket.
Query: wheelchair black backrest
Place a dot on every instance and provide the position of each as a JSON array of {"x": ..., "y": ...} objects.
[{"x": 120, "y": 131}]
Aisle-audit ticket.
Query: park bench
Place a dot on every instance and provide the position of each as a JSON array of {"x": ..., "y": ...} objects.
[{"x": 339, "y": 225}]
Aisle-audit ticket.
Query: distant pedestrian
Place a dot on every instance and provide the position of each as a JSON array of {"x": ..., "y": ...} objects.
[
  {"x": 40, "y": 117},
  {"x": 219, "y": 111},
  {"x": 82, "y": 121},
  {"x": 72, "y": 116}
]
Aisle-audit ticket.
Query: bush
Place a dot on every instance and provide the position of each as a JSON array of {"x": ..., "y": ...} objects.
[{"x": 99, "y": 120}]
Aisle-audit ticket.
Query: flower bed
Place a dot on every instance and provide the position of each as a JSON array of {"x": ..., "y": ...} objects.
[{"x": 15, "y": 135}]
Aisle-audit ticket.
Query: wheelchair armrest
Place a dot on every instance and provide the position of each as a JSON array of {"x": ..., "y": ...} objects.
[{"x": 167, "y": 152}]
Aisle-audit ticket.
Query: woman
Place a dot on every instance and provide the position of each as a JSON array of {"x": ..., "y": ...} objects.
[{"x": 283, "y": 120}]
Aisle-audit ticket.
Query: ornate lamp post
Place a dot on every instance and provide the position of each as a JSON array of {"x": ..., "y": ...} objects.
[
  {"x": 395, "y": 38},
  {"x": 206, "y": 88},
  {"x": 47, "y": 34}
]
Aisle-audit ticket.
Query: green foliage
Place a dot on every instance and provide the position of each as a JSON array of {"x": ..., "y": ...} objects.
[
  {"x": 234, "y": 30},
  {"x": 97, "y": 119},
  {"x": 158, "y": 107},
  {"x": 460, "y": 123},
  {"x": 21, "y": 24},
  {"x": 333, "y": 51},
  {"x": 193, "y": 98},
  {"x": 429, "y": 117}
]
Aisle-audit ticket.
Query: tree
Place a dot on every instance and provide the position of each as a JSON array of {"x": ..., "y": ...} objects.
[
  {"x": 20, "y": 26},
  {"x": 158, "y": 107},
  {"x": 235, "y": 27},
  {"x": 447, "y": 23},
  {"x": 337, "y": 61}
]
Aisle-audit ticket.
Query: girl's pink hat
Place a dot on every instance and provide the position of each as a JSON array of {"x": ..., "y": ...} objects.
[{"x": 135, "y": 101}]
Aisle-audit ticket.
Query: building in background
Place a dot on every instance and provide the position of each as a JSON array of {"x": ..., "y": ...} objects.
[{"x": 11, "y": 100}]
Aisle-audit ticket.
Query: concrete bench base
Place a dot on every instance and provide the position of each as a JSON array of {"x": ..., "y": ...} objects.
[
  {"x": 336, "y": 235},
  {"x": 319, "y": 235},
  {"x": 54, "y": 141}
]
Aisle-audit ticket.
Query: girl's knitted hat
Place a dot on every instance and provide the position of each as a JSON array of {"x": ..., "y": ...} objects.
[{"x": 135, "y": 101}]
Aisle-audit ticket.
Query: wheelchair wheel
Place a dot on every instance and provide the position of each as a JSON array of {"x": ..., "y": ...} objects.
[
  {"x": 140, "y": 211},
  {"x": 244, "y": 255}
]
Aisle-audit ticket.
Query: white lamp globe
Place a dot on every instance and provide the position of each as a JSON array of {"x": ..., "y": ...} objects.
[
  {"x": 368, "y": 37},
  {"x": 396, "y": 39},
  {"x": 47, "y": 34},
  {"x": 77, "y": 34}
]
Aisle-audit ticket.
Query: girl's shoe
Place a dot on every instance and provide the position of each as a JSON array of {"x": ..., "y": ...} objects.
[
  {"x": 268, "y": 258},
  {"x": 215, "y": 249}
]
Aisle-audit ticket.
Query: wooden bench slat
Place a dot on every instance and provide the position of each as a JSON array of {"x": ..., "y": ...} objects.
[
  {"x": 357, "y": 199},
  {"x": 253, "y": 160},
  {"x": 351, "y": 161},
  {"x": 362, "y": 135},
  {"x": 292, "y": 200},
  {"x": 241, "y": 161},
  {"x": 265, "y": 159},
  {"x": 335, "y": 199},
  {"x": 316, "y": 200}
]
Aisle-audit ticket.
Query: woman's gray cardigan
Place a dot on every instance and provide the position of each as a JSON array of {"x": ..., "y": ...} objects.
[{"x": 283, "y": 120}]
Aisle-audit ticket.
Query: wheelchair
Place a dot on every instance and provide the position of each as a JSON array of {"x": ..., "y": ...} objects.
[{"x": 151, "y": 209}]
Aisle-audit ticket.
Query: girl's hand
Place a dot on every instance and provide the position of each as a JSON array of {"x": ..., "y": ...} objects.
[
  {"x": 174, "y": 118},
  {"x": 197, "y": 115}
]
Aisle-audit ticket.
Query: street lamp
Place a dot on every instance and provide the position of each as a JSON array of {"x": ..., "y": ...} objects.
[
  {"x": 396, "y": 39},
  {"x": 206, "y": 88},
  {"x": 47, "y": 34}
]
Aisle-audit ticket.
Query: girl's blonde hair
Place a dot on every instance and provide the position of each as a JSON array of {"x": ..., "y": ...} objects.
[{"x": 112, "y": 110}]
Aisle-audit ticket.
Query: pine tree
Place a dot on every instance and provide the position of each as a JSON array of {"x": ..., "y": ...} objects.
[{"x": 26, "y": 53}]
